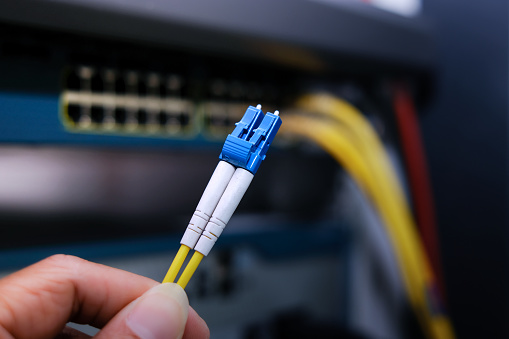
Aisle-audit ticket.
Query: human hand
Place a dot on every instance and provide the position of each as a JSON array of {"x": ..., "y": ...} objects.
[{"x": 39, "y": 300}]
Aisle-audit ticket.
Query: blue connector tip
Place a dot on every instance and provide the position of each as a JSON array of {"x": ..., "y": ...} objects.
[{"x": 247, "y": 145}]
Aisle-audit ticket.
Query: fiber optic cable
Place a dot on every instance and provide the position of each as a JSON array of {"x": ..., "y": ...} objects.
[
  {"x": 242, "y": 154},
  {"x": 190, "y": 269},
  {"x": 212, "y": 194},
  {"x": 176, "y": 264},
  {"x": 337, "y": 139}
]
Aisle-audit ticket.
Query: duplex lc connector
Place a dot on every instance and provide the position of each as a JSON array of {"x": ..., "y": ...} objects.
[
  {"x": 243, "y": 151},
  {"x": 246, "y": 148},
  {"x": 247, "y": 154}
]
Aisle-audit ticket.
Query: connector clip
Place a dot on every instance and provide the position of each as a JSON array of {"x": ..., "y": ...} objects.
[{"x": 247, "y": 145}]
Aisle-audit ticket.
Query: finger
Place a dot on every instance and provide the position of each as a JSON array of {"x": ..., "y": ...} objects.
[
  {"x": 72, "y": 333},
  {"x": 161, "y": 313},
  {"x": 39, "y": 300},
  {"x": 196, "y": 328}
]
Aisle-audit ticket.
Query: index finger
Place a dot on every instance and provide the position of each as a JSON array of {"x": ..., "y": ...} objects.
[{"x": 40, "y": 299}]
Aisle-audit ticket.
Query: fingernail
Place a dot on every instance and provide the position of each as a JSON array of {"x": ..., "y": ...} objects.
[{"x": 160, "y": 313}]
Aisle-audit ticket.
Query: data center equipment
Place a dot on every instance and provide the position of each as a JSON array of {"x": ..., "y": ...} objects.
[{"x": 112, "y": 120}]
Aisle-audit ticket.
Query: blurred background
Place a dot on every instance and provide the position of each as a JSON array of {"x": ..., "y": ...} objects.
[{"x": 380, "y": 210}]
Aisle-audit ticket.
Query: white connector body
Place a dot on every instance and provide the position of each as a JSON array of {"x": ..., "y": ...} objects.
[
  {"x": 224, "y": 210},
  {"x": 208, "y": 202}
]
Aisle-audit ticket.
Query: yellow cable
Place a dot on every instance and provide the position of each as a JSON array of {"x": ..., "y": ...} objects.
[
  {"x": 176, "y": 264},
  {"x": 190, "y": 268},
  {"x": 362, "y": 161}
]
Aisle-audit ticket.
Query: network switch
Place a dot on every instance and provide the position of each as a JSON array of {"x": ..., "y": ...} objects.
[{"x": 145, "y": 103}]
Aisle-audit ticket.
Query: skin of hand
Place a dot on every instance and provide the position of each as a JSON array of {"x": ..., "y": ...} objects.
[{"x": 38, "y": 301}]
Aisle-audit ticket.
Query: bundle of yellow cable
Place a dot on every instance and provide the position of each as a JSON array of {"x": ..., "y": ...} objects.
[{"x": 345, "y": 133}]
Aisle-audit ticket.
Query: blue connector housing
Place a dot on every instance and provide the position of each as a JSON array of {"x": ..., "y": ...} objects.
[{"x": 247, "y": 145}]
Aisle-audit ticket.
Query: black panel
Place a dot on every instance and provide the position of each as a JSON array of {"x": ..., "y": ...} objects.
[{"x": 467, "y": 138}]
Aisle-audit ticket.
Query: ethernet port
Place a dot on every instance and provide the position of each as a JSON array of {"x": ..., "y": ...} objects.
[
  {"x": 174, "y": 86},
  {"x": 73, "y": 81},
  {"x": 132, "y": 83},
  {"x": 237, "y": 91},
  {"x": 163, "y": 90},
  {"x": 230, "y": 121},
  {"x": 184, "y": 119},
  {"x": 216, "y": 121},
  {"x": 109, "y": 80},
  {"x": 142, "y": 117},
  {"x": 162, "y": 118},
  {"x": 97, "y": 83},
  {"x": 153, "y": 84},
  {"x": 142, "y": 88},
  {"x": 85, "y": 73},
  {"x": 74, "y": 112},
  {"x": 120, "y": 85},
  {"x": 173, "y": 121},
  {"x": 97, "y": 114},
  {"x": 120, "y": 115},
  {"x": 218, "y": 90}
]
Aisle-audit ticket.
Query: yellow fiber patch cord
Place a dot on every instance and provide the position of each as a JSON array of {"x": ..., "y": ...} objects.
[{"x": 243, "y": 152}]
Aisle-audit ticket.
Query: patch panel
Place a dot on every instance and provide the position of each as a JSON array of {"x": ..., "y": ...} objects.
[{"x": 126, "y": 102}]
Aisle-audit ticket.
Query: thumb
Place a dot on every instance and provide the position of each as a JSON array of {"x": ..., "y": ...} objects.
[{"x": 159, "y": 313}]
